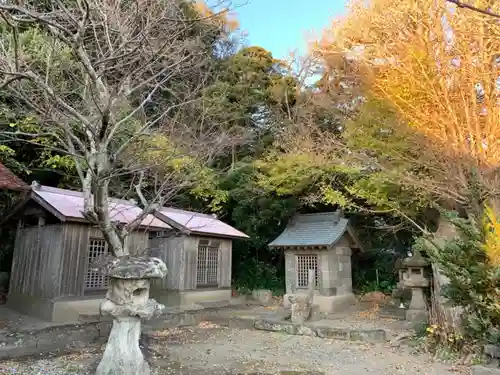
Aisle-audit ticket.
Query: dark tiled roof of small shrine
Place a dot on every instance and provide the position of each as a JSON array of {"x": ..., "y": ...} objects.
[
  {"x": 321, "y": 229},
  {"x": 9, "y": 180}
]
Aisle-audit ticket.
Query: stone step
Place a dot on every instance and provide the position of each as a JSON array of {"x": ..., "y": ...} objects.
[{"x": 392, "y": 313}]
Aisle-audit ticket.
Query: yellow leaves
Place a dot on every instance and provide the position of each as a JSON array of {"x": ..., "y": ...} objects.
[
  {"x": 451, "y": 338},
  {"x": 221, "y": 18},
  {"x": 286, "y": 174},
  {"x": 333, "y": 197},
  {"x": 492, "y": 236},
  {"x": 431, "y": 329},
  {"x": 426, "y": 60}
]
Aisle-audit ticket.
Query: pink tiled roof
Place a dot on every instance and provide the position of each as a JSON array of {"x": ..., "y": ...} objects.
[
  {"x": 69, "y": 204},
  {"x": 199, "y": 223}
]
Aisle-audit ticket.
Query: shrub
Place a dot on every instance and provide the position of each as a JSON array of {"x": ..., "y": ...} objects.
[
  {"x": 255, "y": 274},
  {"x": 474, "y": 276}
]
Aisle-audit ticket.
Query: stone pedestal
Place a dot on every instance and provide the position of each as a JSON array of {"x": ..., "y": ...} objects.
[
  {"x": 264, "y": 296},
  {"x": 302, "y": 305},
  {"x": 127, "y": 301},
  {"x": 417, "y": 312}
]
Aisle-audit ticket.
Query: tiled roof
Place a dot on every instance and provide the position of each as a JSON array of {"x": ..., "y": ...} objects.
[
  {"x": 69, "y": 205},
  {"x": 321, "y": 229},
  {"x": 9, "y": 180},
  {"x": 198, "y": 223}
]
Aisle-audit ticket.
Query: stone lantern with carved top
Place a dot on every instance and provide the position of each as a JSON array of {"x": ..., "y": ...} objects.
[
  {"x": 416, "y": 280},
  {"x": 127, "y": 301}
]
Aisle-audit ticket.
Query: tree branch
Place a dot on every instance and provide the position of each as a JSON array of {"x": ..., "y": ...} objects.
[{"x": 461, "y": 4}]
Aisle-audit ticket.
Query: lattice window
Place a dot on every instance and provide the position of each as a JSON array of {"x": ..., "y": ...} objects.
[
  {"x": 95, "y": 280},
  {"x": 207, "y": 263},
  {"x": 304, "y": 264}
]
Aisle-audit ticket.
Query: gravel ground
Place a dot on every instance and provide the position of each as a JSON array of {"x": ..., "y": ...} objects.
[{"x": 209, "y": 349}]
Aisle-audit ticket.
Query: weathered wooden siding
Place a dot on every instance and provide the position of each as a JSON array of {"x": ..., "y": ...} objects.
[
  {"x": 36, "y": 265},
  {"x": 75, "y": 240},
  {"x": 172, "y": 253},
  {"x": 188, "y": 277},
  {"x": 75, "y": 259},
  {"x": 224, "y": 269},
  {"x": 138, "y": 242}
]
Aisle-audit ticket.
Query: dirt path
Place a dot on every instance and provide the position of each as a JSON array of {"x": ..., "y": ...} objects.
[
  {"x": 222, "y": 350},
  {"x": 208, "y": 349}
]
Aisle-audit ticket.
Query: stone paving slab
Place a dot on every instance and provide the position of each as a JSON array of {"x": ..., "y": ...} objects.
[
  {"x": 322, "y": 330},
  {"x": 64, "y": 339},
  {"x": 483, "y": 370}
]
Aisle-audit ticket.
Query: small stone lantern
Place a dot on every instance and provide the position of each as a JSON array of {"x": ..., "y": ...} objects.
[
  {"x": 127, "y": 301},
  {"x": 417, "y": 281},
  {"x": 401, "y": 293}
]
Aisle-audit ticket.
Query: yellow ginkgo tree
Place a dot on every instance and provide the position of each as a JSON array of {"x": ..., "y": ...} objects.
[
  {"x": 438, "y": 66},
  {"x": 492, "y": 236}
]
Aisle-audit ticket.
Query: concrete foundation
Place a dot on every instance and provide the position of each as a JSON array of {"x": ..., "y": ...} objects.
[
  {"x": 69, "y": 309},
  {"x": 61, "y": 310},
  {"x": 191, "y": 297},
  {"x": 330, "y": 304}
]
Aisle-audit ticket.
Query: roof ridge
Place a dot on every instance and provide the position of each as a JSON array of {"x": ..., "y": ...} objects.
[
  {"x": 189, "y": 212},
  {"x": 75, "y": 193}
]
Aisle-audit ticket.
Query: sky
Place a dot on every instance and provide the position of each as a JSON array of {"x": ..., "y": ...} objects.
[{"x": 281, "y": 26}]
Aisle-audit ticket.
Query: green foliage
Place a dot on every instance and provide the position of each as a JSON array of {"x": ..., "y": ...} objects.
[
  {"x": 374, "y": 271},
  {"x": 258, "y": 275},
  {"x": 262, "y": 216},
  {"x": 326, "y": 181},
  {"x": 474, "y": 281},
  {"x": 374, "y": 268},
  {"x": 377, "y": 128},
  {"x": 378, "y": 131}
]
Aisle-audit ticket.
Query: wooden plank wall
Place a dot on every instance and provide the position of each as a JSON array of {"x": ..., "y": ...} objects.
[
  {"x": 171, "y": 250},
  {"x": 51, "y": 261},
  {"x": 75, "y": 241},
  {"x": 188, "y": 277},
  {"x": 37, "y": 261},
  {"x": 224, "y": 269},
  {"x": 138, "y": 242}
]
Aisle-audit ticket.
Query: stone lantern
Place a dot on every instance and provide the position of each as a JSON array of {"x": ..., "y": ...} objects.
[
  {"x": 417, "y": 281},
  {"x": 127, "y": 301}
]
